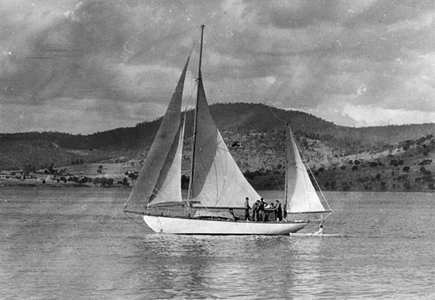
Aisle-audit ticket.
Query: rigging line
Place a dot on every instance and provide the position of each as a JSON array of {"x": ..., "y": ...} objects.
[
  {"x": 193, "y": 82},
  {"x": 134, "y": 221},
  {"x": 246, "y": 81},
  {"x": 193, "y": 70},
  {"x": 194, "y": 45},
  {"x": 215, "y": 169},
  {"x": 278, "y": 183},
  {"x": 159, "y": 192},
  {"x": 276, "y": 116},
  {"x": 218, "y": 51},
  {"x": 224, "y": 69},
  {"x": 156, "y": 191},
  {"x": 195, "y": 118},
  {"x": 190, "y": 99},
  {"x": 225, "y": 164},
  {"x": 223, "y": 147}
]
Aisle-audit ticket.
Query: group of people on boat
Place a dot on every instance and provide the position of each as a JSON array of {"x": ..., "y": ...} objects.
[{"x": 261, "y": 211}]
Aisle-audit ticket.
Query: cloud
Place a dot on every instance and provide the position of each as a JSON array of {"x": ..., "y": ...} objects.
[
  {"x": 116, "y": 63},
  {"x": 346, "y": 113}
]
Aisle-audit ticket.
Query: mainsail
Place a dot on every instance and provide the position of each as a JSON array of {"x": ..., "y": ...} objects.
[
  {"x": 217, "y": 180},
  {"x": 300, "y": 193},
  {"x": 157, "y": 177}
]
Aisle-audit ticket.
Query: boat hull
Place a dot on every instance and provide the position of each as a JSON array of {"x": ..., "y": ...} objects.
[{"x": 173, "y": 225}]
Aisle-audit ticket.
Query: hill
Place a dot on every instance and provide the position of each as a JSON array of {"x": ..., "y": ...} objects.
[{"x": 254, "y": 134}]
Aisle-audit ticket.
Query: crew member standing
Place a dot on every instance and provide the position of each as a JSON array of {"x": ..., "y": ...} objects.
[
  {"x": 278, "y": 211},
  {"x": 247, "y": 207},
  {"x": 262, "y": 213}
]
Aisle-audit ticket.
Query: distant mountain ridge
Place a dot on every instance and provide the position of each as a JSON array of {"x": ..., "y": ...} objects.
[
  {"x": 243, "y": 117},
  {"x": 233, "y": 120}
]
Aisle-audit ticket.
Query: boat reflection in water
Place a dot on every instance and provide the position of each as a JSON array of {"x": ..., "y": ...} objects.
[{"x": 203, "y": 264}]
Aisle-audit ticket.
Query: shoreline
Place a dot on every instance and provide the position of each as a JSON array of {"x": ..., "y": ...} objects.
[
  {"x": 53, "y": 184},
  {"x": 38, "y": 183}
]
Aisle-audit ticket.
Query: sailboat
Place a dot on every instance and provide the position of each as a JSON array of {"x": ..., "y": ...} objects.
[{"x": 217, "y": 186}]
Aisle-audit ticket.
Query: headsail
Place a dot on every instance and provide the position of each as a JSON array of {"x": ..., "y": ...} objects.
[
  {"x": 300, "y": 193},
  {"x": 152, "y": 180},
  {"x": 217, "y": 180},
  {"x": 168, "y": 186}
]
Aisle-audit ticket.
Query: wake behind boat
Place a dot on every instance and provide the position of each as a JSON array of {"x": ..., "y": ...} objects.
[
  {"x": 217, "y": 187},
  {"x": 313, "y": 234}
]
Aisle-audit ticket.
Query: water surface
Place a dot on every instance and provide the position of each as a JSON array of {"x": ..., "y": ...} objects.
[{"x": 78, "y": 244}]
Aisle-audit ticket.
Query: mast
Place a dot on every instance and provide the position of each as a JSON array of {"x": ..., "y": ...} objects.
[
  {"x": 286, "y": 168},
  {"x": 192, "y": 167}
]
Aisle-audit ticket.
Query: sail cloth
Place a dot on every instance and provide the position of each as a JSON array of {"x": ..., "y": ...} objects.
[
  {"x": 163, "y": 151},
  {"x": 300, "y": 193},
  {"x": 168, "y": 186},
  {"x": 217, "y": 180}
]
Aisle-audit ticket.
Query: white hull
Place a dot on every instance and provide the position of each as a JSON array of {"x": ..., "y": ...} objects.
[{"x": 173, "y": 225}]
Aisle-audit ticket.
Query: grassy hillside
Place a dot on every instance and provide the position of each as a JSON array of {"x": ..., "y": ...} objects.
[{"x": 255, "y": 136}]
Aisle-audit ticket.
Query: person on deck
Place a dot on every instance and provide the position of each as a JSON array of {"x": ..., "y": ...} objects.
[
  {"x": 261, "y": 212},
  {"x": 247, "y": 207},
  {"x": 255, "y": 211},
  {"x": 268, "y": 211},
  {"x": 278, "y": 211},
  {"x": 320, "y": 230}
]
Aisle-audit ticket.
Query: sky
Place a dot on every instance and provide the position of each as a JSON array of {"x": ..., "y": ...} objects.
[{"x": 86, "y": 66}]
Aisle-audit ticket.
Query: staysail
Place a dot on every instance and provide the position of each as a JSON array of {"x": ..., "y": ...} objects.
[
  {"x": 300, "y": 193},
  {"x": 217, "y": 180},
  {"x": 156, "y": 179}
]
